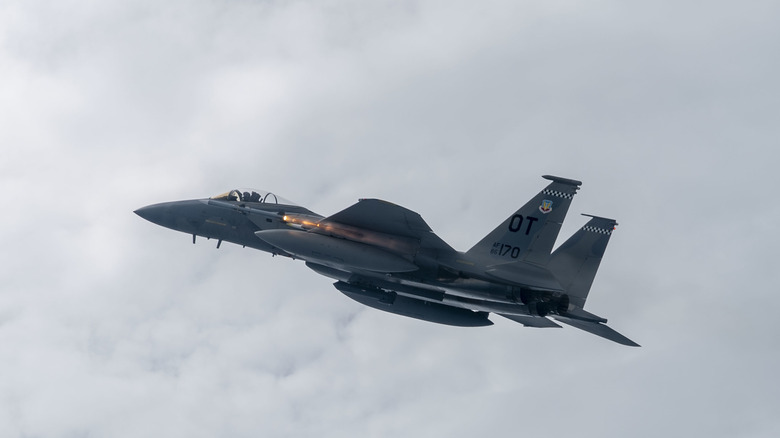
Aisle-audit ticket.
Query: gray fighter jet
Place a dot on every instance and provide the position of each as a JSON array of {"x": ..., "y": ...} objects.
[{"x": 386, "y": 256}]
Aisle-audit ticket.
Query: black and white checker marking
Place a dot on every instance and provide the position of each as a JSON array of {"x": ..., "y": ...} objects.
[
  {"x": 558, "y": 194},
  {"x": 597, "y": 230}
]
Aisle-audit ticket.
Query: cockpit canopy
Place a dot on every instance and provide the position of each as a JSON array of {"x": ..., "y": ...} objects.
[{"x": 252, "y": 195}]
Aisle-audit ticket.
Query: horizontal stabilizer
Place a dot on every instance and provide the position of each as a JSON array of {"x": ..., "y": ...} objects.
[
  {"x": 531, "y": 321},
  {"x": 597, "y": 329},
  {"x": 582, "y": 315}
]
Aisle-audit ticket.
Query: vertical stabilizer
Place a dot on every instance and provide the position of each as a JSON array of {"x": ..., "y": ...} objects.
[
  {"x": 530, "y": 233},
  {"x": 575, "y": 262}
]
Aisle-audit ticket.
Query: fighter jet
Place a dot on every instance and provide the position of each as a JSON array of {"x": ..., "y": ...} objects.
[{"x": 385, "y": 256}]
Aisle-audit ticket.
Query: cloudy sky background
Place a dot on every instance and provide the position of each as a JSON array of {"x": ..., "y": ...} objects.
[{"x": 113, "y": 327}]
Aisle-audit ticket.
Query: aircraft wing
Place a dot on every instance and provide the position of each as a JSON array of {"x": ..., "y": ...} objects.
[{"x": 388, "y": 218}]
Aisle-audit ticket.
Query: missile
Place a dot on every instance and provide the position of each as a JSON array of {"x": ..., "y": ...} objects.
[{"x": 330, "y": 251}]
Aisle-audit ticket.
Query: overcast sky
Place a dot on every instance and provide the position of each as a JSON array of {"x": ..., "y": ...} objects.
[{"x": 110, "y": 326}]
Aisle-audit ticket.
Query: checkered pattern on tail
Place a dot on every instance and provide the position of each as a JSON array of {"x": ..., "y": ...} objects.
[
  {"x": 597, "y": 230},
  {"x": 558, "y": 194}
]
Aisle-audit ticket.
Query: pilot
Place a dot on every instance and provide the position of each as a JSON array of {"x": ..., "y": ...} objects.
[{"x": 255, "y": 197}]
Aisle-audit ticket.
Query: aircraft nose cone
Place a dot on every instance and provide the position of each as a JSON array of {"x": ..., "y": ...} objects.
[{"x": 152, "y": 213}]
